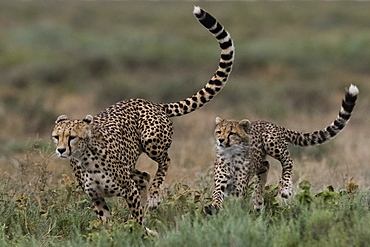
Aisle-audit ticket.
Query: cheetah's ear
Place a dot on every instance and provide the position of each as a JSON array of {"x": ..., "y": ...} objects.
[
  {"x": 218, "y": 120},
  {"x": 245, "y": 124},
  {"x": 88, "y": 119},
  {"x": 61, "y": 118}
]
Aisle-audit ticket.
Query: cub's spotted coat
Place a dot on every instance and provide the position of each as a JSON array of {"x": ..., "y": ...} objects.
[
  {"x": 242, "y": 147},
  {"x": 103, "y": 150}
]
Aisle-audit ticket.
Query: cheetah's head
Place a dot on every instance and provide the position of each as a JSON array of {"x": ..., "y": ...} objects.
[
  {"x": 71, "y": 136},
  {"x": 231, "y": 134}
]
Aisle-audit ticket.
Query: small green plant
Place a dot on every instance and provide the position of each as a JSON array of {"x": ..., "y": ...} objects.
[
  {"x": 179, "y": 201},
  {"x": 329, "y": 196},
  {"x": 304, "y": 197},
  {"x": 271, "y": 204}
]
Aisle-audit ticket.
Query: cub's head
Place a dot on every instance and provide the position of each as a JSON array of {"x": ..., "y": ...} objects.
[
  {"x": 232, "y": 133},
  {"x": 71, "y": 136}
]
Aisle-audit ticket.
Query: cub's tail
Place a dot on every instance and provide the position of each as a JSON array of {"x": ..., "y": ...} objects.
[
  {"x": 324, "y": 135},
  {"x": 218, "y": 81}
]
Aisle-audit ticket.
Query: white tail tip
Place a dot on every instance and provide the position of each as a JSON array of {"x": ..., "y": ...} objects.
[
  {"x": 353, "y": 90},
  {"x": 196, "y": 10}
]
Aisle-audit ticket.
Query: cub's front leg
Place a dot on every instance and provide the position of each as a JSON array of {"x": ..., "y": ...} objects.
[{"x": 222, "y": 177}]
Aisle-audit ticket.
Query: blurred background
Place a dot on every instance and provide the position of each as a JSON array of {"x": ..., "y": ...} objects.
[{"x": 293, "y": 63}]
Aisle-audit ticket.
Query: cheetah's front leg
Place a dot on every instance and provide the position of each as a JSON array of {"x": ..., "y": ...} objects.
[
  {"x": 133, "y": 199},
  {"x": 141, "y": 180},
  {"x": 221, "y": 178},
  {"x": 101, "y": 209},
  {"x": 260, "y": 186}
]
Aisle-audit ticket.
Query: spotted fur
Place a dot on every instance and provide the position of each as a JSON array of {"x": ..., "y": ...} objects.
[
  {"x": 103, "y": 150},
  {"x": 242, "y": 147}
]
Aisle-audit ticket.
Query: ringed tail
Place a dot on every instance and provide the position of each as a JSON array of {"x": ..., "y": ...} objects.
[
  {"x": 218, "y": 81},
  {"x": 328, "y": 133}
]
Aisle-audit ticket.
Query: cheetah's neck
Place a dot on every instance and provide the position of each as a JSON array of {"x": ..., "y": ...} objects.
[{"x": 232, "y": 152}]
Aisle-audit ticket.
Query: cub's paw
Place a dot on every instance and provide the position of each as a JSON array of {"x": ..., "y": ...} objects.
[
  {"x": 258, "y": 205},
  {"x": 154, "y": 201},
  {"x": 285, "y": 192},
  {"x": 149, "y": 232},
  {"x": 211, "y": 209}
]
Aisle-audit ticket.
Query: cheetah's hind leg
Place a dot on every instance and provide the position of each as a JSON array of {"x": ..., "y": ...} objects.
[{"x": 154, "y": 190}]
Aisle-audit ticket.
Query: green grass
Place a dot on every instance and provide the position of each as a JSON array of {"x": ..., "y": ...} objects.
[
  {"x": 62, "y": 216},
  {"x": 37, "y": 213}
]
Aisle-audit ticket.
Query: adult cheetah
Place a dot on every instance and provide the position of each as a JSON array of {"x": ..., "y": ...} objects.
[
  {"x": 242, "y": 147},
  {"x": 103, "y": 150}
]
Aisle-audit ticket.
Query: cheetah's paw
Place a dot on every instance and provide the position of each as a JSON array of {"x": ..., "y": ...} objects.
[{"x": 154, "y": 201}]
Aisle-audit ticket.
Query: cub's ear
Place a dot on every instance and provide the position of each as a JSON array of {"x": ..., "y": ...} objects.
[
  {"x": 88, "y": 119},
  {"x": 245, "y": 124},
  {"x": 218, "y": 120},
  {"x": 61, "y": 118}
]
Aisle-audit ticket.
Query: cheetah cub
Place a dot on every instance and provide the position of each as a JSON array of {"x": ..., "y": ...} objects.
[{"x": 242, "y": 147}]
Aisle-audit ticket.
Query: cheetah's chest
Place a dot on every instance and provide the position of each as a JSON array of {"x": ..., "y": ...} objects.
[
  {"x": 102, "y": 181},
  {"x": 237, "y": 161},
  {"x": 236, "y": 156}
]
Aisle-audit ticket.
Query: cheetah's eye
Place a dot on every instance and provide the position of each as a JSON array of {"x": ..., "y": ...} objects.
[
  {"x": 56, "y": 137},
  {"x": 218, "y": 132},
  {"x": 72, "y": 137},
  {"x": 232, "y": 133}
]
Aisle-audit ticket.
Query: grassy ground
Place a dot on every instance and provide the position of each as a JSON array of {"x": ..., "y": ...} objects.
[
  {"x": 293, "y": 62},
  {"x": 60, "y": 215}
]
